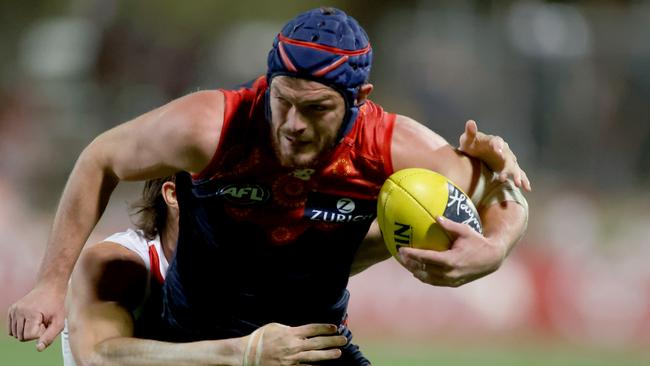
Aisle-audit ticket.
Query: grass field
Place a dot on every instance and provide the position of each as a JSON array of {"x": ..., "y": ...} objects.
[{"x": 382, "y": 353}]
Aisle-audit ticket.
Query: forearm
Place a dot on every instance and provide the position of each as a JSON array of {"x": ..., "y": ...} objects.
[
  {"x": 504, "y": 224},
  {"x": 83, "y": 201},
  {"x": 141, "y": 352},
  {"x": 371, "y": 251}
]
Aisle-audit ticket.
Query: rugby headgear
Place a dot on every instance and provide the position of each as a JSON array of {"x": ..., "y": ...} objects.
[{"x": 328, "y": 46}]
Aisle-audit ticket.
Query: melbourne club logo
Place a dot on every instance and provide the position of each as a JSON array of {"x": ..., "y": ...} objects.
[{"x": 303, "y": 174}]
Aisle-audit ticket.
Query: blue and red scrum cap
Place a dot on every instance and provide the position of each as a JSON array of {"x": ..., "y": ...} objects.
[{"x": 328, "y": 46}]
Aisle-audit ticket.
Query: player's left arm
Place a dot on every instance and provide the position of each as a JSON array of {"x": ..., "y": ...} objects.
[
  {"x": 491, "y": 150},
  {"x": 502, "y": 207}
]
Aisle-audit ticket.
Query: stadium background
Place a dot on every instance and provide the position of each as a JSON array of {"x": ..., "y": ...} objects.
[{"x": 567, "y": 83}]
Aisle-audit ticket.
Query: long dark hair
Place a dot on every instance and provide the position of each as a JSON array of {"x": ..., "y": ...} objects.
[{"x": 149, "y": 213}]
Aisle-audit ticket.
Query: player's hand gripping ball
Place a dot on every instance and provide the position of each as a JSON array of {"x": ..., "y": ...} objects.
[{"x": 408, "y": 203}]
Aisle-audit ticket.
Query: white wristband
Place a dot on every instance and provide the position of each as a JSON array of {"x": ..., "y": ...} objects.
[
  {"x": 249, "y": 349},
  {"x": 260, "y": 348}
]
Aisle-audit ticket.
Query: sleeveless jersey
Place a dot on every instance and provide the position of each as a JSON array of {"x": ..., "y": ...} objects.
[
  {"x": 260, "y": 243},
  {"x": 150, "y": 251}
]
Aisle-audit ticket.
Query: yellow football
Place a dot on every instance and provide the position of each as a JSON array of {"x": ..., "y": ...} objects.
[{"x": 408, "y": 203}]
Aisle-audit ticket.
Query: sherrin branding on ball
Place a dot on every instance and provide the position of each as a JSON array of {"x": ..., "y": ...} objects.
[{"x": 408, "y": 203}]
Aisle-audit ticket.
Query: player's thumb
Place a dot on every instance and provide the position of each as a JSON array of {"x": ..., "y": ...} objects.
[
  {"x": 50, "y": 334},
  {"x": 468, "y": 137},
  {"x": 471, "y": 128}
]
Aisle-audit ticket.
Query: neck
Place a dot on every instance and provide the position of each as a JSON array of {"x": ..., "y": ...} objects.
[{"x": 168, "y": 238}]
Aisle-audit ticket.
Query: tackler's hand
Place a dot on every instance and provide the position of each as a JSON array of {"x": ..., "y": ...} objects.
[
  {"x": 494, "y": 152},
  {"x": 277, "y": 345},
  {"x": 38, "y": 315}
]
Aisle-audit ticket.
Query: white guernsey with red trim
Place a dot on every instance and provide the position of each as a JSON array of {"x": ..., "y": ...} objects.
[{"x": 151, "y": 253}]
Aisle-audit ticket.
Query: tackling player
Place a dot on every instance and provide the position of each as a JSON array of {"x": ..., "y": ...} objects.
[{"x": 113, "y": 279}]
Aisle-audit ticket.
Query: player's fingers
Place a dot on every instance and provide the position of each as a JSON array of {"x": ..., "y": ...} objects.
[
  {"x": 20, "y": 326},
  {"x": 439, "y": 279},
  {"x": 32, "y": 329},
  {"x": 415, "y": 261},
  {"x": 316, "y": 343},
  {"x": 53, "y": 330},
  {"x": 14, "y": 325},
  {"x": 496, "y": 144},
  {"x": 455, "y": 229},
  {"x": 10, "y": 320},
  {"x": 320, "y": 355},
  {"x": 428, "y": 270},
  {"x": 526, "y": 181},
  {"x": 471, "y": 129},
  {"x": 468, "y": 137},
  {"x": 413, "y": 258},
  {"x": 311, "y": 330},
  {"x": 516, "y": 177}
]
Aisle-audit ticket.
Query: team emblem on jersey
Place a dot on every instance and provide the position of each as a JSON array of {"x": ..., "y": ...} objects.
[
  {"x": 303, "y": 174},
  {"x": 336, "y": 209}
]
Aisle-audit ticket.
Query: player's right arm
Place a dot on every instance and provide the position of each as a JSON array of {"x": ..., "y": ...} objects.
[
  {"x": 109, "y": 282},
  {"x": 181, "y": 135}
]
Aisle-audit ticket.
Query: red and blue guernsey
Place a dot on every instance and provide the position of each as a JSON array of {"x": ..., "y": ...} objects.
[{"x": 260, "y": 243}]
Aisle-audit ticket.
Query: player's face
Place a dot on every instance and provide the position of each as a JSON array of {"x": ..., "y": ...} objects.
[{"x": 306, "y": 116}]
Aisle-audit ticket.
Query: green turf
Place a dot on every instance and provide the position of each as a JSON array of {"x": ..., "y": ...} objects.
[
  {"x": 391, "y": 354},
  {"x": 537, "y": 354},
  {"x": 16, "y": 353}
]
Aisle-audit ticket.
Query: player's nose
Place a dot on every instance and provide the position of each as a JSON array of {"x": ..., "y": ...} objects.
[{"x": 295, "y": 123}]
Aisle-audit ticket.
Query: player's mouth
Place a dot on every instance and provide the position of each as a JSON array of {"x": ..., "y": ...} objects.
[{"x": 295, "y": 142}]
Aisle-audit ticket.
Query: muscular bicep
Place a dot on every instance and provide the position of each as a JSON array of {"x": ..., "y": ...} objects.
[
  {"x": 415, "y": 146},
  {"x": 106, "y": 286},
  {"x": 181, "y": 135}
]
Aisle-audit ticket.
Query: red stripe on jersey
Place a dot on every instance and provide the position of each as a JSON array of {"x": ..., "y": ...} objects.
[{"x": 154, "y": 261}]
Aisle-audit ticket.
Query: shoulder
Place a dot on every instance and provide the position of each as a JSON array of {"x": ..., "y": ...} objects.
[
  {"x": 109, "y": 272},
  {"x": 411, "y": 133},
  {"x": 414, "y": 145},
  {"x": 132, "y": 240},
  {"x": 192, "y": 128},
  {"x": 199, "y": 112},
  {"x": 109, "y": 257}
]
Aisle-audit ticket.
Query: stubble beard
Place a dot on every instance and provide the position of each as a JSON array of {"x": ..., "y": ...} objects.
[{"x": 291, "y": 160}]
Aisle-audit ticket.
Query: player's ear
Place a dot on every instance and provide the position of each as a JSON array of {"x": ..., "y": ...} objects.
[
  {"x": 364, "y": 91},
  {"x": 169, "y": 194}
]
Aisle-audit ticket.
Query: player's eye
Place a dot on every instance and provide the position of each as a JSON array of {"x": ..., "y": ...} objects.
[{"x": 318, "y": 107}]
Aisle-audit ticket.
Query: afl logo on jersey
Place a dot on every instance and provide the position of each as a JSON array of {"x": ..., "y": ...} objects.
[{"x": 245, "y": 194}]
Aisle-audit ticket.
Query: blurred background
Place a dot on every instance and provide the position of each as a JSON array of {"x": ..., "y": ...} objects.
[{"x": 566, "y": 83}]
